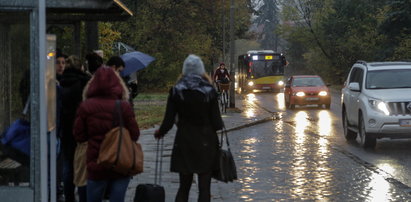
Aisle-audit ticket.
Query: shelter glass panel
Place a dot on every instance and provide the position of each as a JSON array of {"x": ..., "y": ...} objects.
[{"x": 14, "y": 98}]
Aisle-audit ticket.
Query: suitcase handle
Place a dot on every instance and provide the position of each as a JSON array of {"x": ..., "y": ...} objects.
[{"x": 159, "y": 161}]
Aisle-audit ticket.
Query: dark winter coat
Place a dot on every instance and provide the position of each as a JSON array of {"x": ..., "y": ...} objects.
[
  {"x": 95, "y": 118},
  {"x": 221, "y": 75},
  {"x": 72, "y": 83},
  {"x": 194, "y": 101}
]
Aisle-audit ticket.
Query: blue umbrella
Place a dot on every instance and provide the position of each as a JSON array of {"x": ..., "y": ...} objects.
[{"x": 135, "y": 61}]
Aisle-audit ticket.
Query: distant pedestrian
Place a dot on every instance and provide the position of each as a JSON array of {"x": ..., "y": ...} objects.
[
  {"x": 60, "y": 64},
  {"x": 93, "y": 62},
  {"x": 221, "y": 75},
  {"x": 194, "y": 101},
  {"x": 116, "y": 63},
  {"x": 94, "y": 119},
  {"x": 73, "y": 81}
]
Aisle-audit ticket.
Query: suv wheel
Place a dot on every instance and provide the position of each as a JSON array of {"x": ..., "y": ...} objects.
[
  {"x": 348, "y": 134},
  {"x": 365, "y": 140}
]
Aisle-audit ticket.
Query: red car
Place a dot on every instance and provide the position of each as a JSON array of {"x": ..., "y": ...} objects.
[{"x": 306, "y": 90}]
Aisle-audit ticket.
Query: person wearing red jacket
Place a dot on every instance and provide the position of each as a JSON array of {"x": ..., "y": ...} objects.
[
  {"x": 94, "y": 119},
  {"x": 221, "y": 75}
]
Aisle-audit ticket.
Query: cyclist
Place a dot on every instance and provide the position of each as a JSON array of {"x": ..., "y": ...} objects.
[{"x": 221, "y": 75}]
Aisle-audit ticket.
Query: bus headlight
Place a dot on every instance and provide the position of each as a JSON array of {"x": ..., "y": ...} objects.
[
  {"x": 281, "y": 83},
  {"x": 323, "y": 93},
  {"x": 250, "y": 83},
  {"x": 300, "y": 94}
]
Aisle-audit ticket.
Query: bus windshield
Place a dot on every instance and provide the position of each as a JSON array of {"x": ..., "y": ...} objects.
[{"x": 267, "y": 68}]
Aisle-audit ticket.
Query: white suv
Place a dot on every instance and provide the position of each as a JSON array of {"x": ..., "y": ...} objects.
[{"x": 376, "y": 102}]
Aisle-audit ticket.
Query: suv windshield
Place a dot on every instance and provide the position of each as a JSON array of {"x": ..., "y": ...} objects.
[
  {"x": 385, "y": 79},
  {"x": 308, "y": 81}
]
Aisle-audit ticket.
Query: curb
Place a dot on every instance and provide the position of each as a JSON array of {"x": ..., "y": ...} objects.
[{"x": 251, "y": 124}]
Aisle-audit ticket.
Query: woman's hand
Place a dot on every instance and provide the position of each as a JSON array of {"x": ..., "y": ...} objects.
[{"x": 157, "y": 134}]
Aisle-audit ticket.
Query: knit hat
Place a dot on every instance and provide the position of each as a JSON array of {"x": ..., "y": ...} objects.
[{"x": 193, "y": 65}]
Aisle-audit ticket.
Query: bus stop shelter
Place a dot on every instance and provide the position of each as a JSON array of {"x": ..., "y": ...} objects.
[{"x": 27, "y": 88}]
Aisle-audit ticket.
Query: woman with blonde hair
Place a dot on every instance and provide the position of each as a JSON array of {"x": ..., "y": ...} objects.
[{"x": 194, "y": 101}]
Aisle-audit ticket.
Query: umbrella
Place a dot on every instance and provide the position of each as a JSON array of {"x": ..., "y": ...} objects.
[{"x": 135, "y": 61}]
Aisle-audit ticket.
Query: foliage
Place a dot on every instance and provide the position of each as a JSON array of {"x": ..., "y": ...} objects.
[
  {"x": 327, "y": 37},
  {"x": 64, "y": 33},
  {"x": 170, "y": 30},
  {"x": 268, "y": 17},
  {"x": 107, "y": 36}
]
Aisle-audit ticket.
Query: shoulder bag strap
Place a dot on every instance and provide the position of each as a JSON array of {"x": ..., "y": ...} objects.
[
  {"x": 120, "y": 119},
  {"x": 224, "y": 133}
]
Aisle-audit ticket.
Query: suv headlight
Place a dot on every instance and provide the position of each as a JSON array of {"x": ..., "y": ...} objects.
[{"x": 379, "y": 105}]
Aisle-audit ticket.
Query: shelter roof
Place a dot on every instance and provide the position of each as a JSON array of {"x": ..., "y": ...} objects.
[{"x": 69, "y": 11}]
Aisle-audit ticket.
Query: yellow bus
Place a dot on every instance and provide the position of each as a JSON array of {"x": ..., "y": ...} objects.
[{"x": 261, "y": 70}]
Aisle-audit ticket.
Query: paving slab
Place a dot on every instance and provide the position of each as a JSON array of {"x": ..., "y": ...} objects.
[{"x": 244, "y": 114}]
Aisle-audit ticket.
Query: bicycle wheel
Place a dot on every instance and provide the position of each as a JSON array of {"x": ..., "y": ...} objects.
[
  {"x": 221, "y": 103},
  {"x": 224, "y": 101}
]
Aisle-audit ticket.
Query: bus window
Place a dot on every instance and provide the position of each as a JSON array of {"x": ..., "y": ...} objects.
[{"x": 263, "y": 68}]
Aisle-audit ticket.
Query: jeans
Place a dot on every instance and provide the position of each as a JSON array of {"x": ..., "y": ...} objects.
[
  {"x": 96, "y": 189},
  {"x": 68, "y": 174}
]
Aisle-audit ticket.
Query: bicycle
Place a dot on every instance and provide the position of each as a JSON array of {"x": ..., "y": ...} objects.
[{"x": 223, "y": 98}]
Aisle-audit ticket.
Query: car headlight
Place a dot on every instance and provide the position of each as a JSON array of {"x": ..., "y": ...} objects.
[
  {"x": 300, "y": 94},
  {"x": 250, "y": 83},
  {"x": 379, "y": 106},
  {"x": 323, "y": 93},
  {"x": 280, "y": 83}
]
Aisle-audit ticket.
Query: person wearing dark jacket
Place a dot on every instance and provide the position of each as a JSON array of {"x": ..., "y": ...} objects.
[
  {"x": 72, "y": 81},
  {"x": 194, "y": 100},
  {"x": 93, "y": 120}
]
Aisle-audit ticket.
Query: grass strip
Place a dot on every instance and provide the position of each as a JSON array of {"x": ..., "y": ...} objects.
[{"x": 149, "y": 109}]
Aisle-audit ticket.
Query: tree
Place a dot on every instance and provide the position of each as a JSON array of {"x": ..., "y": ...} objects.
[
  {"x": 169, "y": 30},
  {"x": 334, "y": 33},
  {"x": 268, "y": 17}
]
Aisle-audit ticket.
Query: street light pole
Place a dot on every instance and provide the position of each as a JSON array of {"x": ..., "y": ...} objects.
[
  {"x": 232, "y": 50},
  {"x": 223, "y": 30}
]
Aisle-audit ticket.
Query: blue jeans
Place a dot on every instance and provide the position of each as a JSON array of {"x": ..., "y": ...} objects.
[
  {"x": 68, "y": 174},
  {"x": 96, "y": 189}
]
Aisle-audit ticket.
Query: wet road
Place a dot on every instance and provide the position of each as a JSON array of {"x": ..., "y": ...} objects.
[{"x": 302, "y": 155}]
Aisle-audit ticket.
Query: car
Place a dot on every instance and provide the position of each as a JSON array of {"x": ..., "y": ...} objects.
[
  {"x": 306, "y": 90},
  {"x": 376, "y": 102}
]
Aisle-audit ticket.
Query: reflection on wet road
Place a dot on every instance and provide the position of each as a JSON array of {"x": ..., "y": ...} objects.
[
  {"x": 293, "y": 159},
  {"x": 280, "y": 101},
  {"x": 250, "y": 105},
  {"x": 276, "y": 161}
]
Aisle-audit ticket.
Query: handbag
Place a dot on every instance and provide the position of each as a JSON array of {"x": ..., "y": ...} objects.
[
  {"x": 118, "y": 151},
  {"x": 80, "y": 165},
  {"x": 227, "y": 171}
]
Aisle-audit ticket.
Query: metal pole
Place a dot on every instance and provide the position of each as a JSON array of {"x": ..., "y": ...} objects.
[
  {"x": 232, "y": 50},
  {"x": 41, "y": 158},
  {"x": 223, "y": 30}
]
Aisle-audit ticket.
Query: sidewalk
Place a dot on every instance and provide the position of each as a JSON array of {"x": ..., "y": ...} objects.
[{"x": 246, "y": 115}]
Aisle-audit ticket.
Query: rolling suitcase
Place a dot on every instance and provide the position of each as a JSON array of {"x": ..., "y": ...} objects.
[{"x": 153, "y": 192}]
